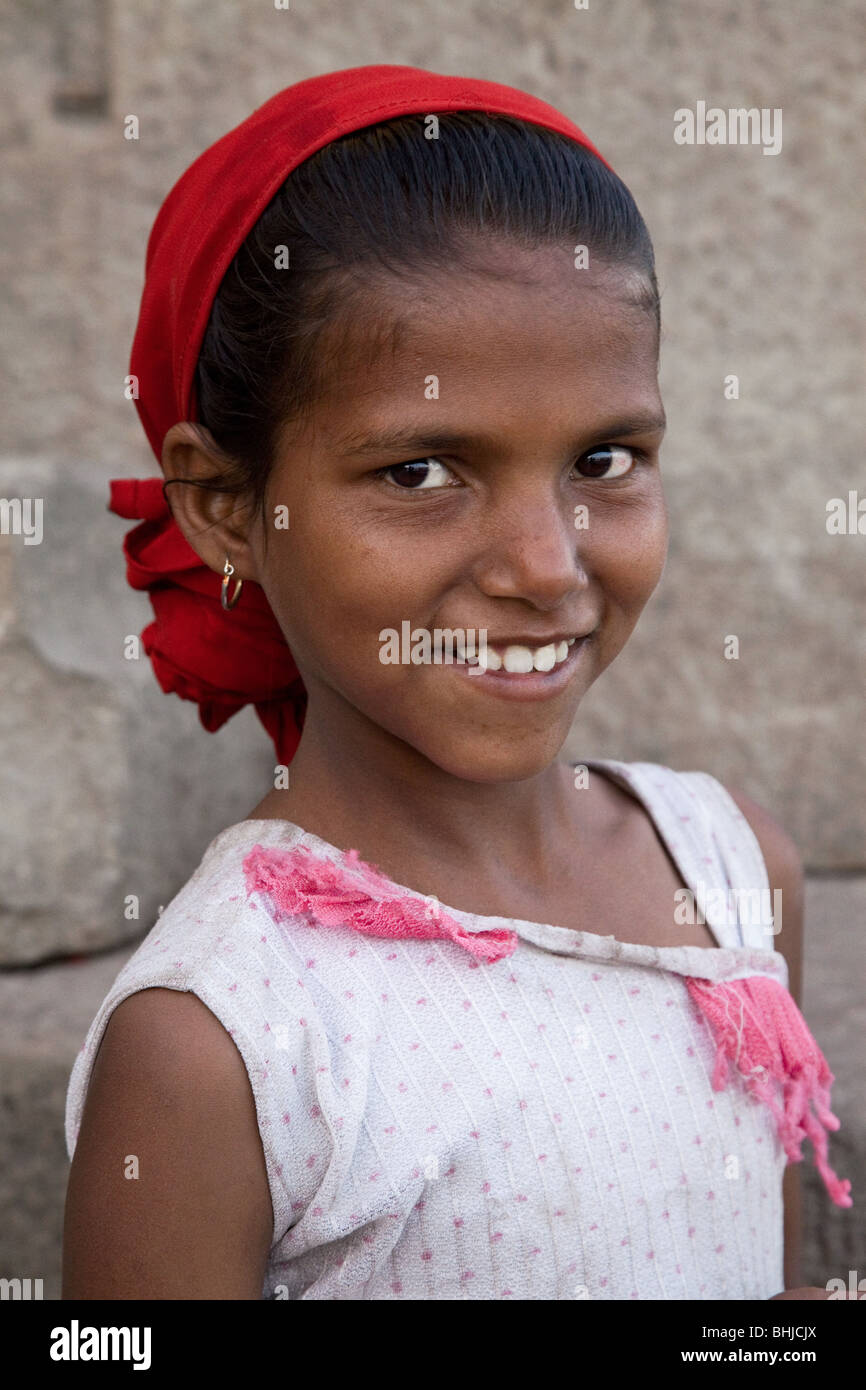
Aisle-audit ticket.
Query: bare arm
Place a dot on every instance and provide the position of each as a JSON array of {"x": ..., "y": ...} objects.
[{"x": 170, "y": 1090}]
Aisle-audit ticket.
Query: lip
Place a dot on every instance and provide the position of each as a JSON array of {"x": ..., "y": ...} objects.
[
  {"x": 531, "y": 685},
  {"x": 503, "y": 642}
]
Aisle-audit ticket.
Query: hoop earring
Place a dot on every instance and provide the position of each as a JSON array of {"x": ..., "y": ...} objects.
[{"x": 228, "y": 571}]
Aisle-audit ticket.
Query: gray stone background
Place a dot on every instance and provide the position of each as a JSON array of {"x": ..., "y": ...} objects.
[{"x": 108, "y": 788}]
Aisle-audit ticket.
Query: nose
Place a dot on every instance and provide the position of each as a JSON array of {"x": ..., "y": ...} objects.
[{"x": 530, "y": 549}]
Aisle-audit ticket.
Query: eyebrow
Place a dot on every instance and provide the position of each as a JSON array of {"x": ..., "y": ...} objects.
[{"x": 407, "y": 439}]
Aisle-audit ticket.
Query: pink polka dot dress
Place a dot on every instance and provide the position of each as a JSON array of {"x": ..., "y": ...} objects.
[{"x": 459, "y": 1106}]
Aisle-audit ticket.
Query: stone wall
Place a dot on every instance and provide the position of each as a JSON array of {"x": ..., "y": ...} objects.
[{"x": 110, "y": 789}]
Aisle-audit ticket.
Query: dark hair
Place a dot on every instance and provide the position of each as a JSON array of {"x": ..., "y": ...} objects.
[{"x": 387, "y": 196}]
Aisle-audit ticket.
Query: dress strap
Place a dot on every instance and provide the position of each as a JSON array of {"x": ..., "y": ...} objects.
[
  {"x": 711, "y": 843},
  {"x": 757, "y": 1029}
]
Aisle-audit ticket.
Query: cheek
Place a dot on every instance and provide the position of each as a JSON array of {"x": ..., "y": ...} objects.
[
  {"x": 628, "y": 551},
  {"x": 335, "y": 584}
]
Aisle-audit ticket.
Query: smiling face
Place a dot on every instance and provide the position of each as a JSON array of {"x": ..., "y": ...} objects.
[{"x": 459, "y": 510}]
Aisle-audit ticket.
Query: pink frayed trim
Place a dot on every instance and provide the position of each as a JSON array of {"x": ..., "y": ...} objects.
[
  {"x": 356, "y": 895},
  {"x": 758, "y": 1027}
]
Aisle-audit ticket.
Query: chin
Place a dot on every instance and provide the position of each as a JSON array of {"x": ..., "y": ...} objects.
[{"x": 491, "y": 760}]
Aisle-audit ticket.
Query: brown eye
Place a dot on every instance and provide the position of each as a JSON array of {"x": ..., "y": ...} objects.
[
  {"x": 608, "y": 461},
  {"x": 419, "y": 473}
]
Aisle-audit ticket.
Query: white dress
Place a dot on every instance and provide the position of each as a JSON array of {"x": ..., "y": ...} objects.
[{"x": 438, "y": 1126}]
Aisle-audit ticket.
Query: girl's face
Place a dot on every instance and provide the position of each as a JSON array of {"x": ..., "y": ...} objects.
[{"x": 484, "y": 456}]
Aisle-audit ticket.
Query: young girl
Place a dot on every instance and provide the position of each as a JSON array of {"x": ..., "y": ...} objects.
[{"x": 437, "y": 1019}]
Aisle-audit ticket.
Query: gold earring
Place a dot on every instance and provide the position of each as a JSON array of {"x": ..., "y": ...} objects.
[{"x": 228, "y": 571}]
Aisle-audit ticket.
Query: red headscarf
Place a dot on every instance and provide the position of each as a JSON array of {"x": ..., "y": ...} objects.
[{"x": 227, "y": 659}]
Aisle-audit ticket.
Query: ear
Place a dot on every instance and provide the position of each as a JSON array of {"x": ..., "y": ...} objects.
[{"x": 215, "y": 524}]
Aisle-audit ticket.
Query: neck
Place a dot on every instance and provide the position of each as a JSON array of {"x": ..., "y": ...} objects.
[{"x": 361, "y": 786}]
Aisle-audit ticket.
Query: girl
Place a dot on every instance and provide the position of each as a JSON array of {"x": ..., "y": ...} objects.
[{"x": 398, "y": 349}]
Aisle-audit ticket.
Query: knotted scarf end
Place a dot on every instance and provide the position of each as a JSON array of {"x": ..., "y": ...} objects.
[{"x": 759, "y": 1030}]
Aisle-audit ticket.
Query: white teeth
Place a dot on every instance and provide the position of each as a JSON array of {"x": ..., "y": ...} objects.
[
  {"x": 545, "y": 658},
  {"x": 518, "y": 660}
]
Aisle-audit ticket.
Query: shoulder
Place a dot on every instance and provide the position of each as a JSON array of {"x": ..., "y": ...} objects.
[
  {"x": 171, "y": 1034},
  {"x": 169, "y": 1106},
  {"x": 781, "y": 855},
  {"x": 786, "y": 877},
  {"x": 214, "y": 937},
  {"x": 165, "y": 1057}
]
